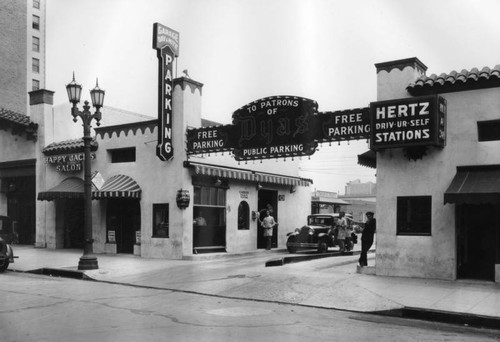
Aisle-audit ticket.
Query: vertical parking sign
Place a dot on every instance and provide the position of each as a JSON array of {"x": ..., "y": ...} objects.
[{"x": 166, "y": 44}]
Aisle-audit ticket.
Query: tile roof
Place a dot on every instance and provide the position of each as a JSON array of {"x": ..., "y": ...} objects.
[
  {"x": 456, "y": 81},
  {"x": 14, "y": 117},
  {"x": 19, "y": 123},
  {"x": 68, "y": 146}
]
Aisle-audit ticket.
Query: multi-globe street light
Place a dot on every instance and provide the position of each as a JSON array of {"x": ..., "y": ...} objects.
[{"x": 88, "y": 261}]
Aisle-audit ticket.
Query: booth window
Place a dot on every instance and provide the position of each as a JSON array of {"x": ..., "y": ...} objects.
[
  {"x": 488, "y": 130},
  {"x": 243, "y": 215},
  {"x": 122, "y": 155},
  {"x": 414, "y": 215},
  {"x": 210, "y": 203},
  {"x": 160, "y": 220}
]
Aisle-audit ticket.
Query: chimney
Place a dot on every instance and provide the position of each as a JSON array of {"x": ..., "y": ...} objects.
[{"x": 393, "y": 77}]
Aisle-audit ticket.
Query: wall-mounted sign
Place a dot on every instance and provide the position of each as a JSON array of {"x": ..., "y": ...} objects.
[
  {"x": 68, "y": 162},
  {"x": 166, "y": 43},
  {"x": 418, "y": 121},
  {"x": 244, "y": 194}
]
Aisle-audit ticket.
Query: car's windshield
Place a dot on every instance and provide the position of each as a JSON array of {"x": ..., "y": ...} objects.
[{"x": 320, "y": 220}]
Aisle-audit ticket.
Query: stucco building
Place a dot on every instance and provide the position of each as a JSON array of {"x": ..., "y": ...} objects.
[{"x": 438, "y": 206}]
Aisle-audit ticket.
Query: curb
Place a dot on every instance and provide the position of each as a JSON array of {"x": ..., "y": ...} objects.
[
  {"x": 449, "y": 317},
  {"x": 293, "y": 259}
]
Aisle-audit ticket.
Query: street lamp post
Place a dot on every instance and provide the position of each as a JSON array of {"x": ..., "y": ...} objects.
[{"x": 88, "y": 261}]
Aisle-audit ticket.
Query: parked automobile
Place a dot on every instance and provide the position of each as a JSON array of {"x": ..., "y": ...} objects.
[
  {"x": 7, "y": 230},
  {"x": 6, "y": 255},
  {"x": 320, "y": 233},
  {"x": 7, "y": 236}
]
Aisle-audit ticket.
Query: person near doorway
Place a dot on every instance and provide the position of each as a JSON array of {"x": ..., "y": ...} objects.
[
  {"x": 341, "y": 231},
  {"x": 367, "y": 238},
  {"x": 200, "y": 220},
  {"x": 268, "y": 224}
]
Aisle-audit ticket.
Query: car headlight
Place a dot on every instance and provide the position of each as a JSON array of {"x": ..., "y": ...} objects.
[
  {"x": 297, "y": 230},
  {"x": 311, "y": 231}
]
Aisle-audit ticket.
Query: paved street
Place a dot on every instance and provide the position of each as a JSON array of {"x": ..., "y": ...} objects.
[{"x": 43, "y": 308}]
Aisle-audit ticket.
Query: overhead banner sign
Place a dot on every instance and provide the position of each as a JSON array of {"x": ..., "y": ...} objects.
[
  {"x": 166, "y": 43},
  {"x": 279, "y": 126},
  {"x": 408, "y": 122},
  {"x": 274, "y": 127}
]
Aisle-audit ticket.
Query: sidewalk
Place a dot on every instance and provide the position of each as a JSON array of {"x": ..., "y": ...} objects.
[{"x": 313, "y": 283}]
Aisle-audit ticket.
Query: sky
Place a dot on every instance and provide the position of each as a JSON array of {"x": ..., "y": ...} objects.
[{"x": 244, "y": 50}]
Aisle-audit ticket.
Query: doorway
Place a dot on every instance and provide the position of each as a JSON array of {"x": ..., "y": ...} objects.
[
  {"x": 477, "y": 240},
  {"x": 123, "y": 216},
  {"x": 267, "y": 200}
]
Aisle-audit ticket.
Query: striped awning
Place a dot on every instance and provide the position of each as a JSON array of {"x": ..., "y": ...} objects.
[
  {"x": 118, "y": 186},
  {"x": 246, "y": 175},
  {"x": 222, "y": 172},
  {"x": 72, "y": 187},
  {"x": 282, "y": 180}
]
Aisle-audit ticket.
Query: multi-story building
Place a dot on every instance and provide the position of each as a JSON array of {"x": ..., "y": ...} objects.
[{"x": 22, "y": 69}]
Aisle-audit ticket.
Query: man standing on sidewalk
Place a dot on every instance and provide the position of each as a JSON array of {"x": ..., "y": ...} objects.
[
  {"x": 367, "y": 238},
  {"x": 268, "y": 224}
]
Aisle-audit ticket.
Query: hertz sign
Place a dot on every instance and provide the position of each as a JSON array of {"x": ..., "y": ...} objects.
[{"x": 419, "y": 121}]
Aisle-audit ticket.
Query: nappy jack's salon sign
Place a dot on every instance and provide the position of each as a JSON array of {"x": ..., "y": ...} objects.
[{"x": 68, "y": 162}]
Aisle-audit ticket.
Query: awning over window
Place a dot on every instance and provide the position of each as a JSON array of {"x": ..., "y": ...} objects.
[
  {"x": 222, "y": 172},
  {"x": 474, "y": 185},
  {"x": 368, "y": 159},
  {"x": 72, "y": 187},
  {"x": 283, "y": 180},
  {"x": 246, "y": 175},
  {"x": 118, "y": 186}
]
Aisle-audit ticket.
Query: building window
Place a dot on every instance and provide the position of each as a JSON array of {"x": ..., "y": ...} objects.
[
  {"x": 160, "y": 220},
  {"x": 35, "y": 65},
  {"x": 35, "y": 84},
  {"x": 488, "y": 130},
  {"x": 36, "y": 44},
  {"x": 243, "y": 215},
  {"x": 36, "y": 22},
  {"x": 122, "y": 155},
  {"x": 36, "y": 4},
  {"x": 210, "y": 204},
  {"x": 414, "y": 215}
]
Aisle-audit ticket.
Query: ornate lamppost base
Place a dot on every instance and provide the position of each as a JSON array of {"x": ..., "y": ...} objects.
[{"x": 88, "y": 262}]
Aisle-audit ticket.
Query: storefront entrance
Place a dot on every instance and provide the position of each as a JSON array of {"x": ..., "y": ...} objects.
[
  {"x": 123, "y": 218},
  {"x": 21, "y": 207},
  {"x": 477, "y": 240},
  {"x": 268, "y": 200},
  {"x": 72, "y": 211}
]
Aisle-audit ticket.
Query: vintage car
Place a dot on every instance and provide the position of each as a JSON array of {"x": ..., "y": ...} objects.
[
  {"x": 319, "y": 233},
  {"x": 8, "y": 230}
]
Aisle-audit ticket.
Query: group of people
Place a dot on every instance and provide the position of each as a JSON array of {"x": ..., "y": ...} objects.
[{"x": 344, "y": 235}]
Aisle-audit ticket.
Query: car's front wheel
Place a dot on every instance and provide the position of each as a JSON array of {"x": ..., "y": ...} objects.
[
  {"x": 322, "y": 247},
  {"x": 4, "y": 264},
  {"x": 291, "y": 249}
]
